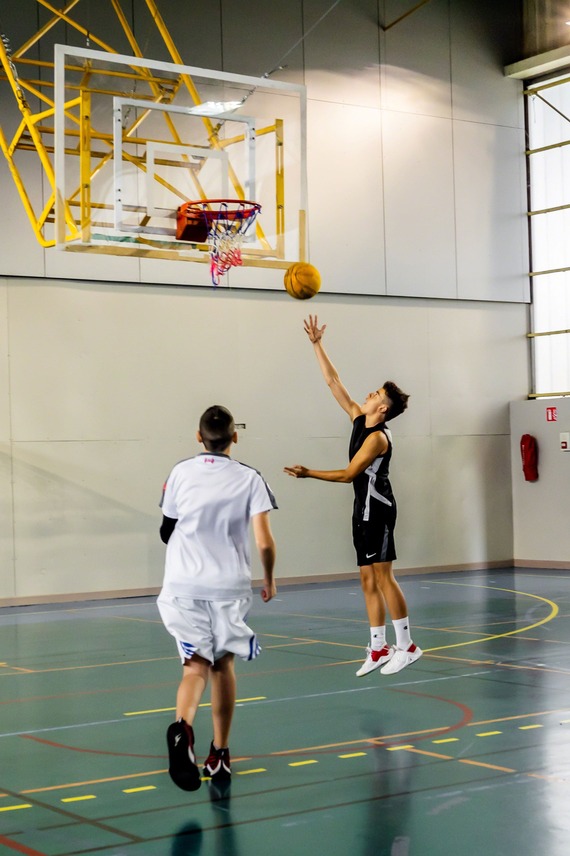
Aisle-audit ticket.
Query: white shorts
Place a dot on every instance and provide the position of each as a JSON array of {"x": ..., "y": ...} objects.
[{"x": 209, "y": 628}]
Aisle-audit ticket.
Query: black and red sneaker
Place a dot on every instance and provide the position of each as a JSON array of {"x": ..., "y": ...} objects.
[
  {"x": 218, "y": 764},
  {"x": 182, "y": 767}
]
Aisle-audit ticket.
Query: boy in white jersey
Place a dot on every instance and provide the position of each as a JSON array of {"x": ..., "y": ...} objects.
[
  {"x": 374, "y": 514},
  {"x": 208, "y": 502}
]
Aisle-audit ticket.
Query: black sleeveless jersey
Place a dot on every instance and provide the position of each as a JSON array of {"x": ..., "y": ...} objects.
[{"x": 373, "y": 495}]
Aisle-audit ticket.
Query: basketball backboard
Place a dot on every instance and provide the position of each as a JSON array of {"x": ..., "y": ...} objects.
[{"x": 135, "y": 138}]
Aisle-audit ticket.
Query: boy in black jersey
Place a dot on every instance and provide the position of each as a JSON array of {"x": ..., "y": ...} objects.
[{"x": 374, "y": 513}]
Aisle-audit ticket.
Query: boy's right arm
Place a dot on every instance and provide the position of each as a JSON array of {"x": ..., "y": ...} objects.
[
  {"x": 330, "y": 374},
  {"x": 266, "y": 548}
]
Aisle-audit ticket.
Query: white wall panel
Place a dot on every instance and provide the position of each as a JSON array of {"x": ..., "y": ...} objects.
[
  {"x": 419, "y": 205},
  {"x": 417, "y": 80},
  {"x": 346, "y": 219},
  {"x": 85, "y": 360},
  {"x": 6, "y": 510},
  {"x": 84, "y": 518},
  {"x": 475, "y": 361},
  {"x": 342, "y": 60},
  {"x": 414, "y": 479},
  {"x": 492, "y": 230},
  {"x": 19, "y": 249},
  {"x": 7, "y": 575},
  {"x": 195, "y": 28},
  {"x": 260, "y": 36},
  {"x": 472, "y": 499},
  {"x": 5, "y": 409},
  {"x": 484, "y": 38}
]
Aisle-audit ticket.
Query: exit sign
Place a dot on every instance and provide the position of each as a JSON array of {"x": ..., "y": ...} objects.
[{"x": 551, "y": 414}]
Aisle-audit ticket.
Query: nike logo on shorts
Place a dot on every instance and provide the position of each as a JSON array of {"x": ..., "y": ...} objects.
[{"x": 370, "y": 556}]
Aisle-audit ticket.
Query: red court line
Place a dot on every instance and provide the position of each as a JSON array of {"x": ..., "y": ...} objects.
[
  {"x": 20, "y": 848},
  {"x": 87, "y": 751}
]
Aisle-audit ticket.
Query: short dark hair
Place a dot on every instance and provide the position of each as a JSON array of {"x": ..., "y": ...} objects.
[
  {"x": 217, "y": 428},
  {"x": 398, "y": 399}
]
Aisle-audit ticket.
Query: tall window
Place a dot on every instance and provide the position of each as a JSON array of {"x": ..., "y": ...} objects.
[{"x": 548, "y": 110}]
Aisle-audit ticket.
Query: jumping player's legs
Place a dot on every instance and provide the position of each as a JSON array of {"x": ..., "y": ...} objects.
[
  {"x": 223, "y": 698},
  {"x": 387, "y": 586},
  {"x": 405, "y": 651},
  {"x": 373, "y": 596}
]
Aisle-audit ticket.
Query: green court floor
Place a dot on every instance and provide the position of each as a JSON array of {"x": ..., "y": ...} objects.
[{"x": 466, "y": 752}]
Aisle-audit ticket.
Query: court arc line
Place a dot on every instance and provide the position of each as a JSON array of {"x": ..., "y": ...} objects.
[{"x": 554, "y": 610}]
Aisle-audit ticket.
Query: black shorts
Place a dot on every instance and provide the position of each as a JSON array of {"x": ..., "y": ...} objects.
[{"x": 374, "y": 540}]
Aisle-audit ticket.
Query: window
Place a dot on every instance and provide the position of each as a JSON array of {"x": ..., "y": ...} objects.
[{"x": 548, "y": 119}]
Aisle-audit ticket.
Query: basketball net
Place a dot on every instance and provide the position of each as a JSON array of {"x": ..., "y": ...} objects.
[{"x": 229, "y": 220}]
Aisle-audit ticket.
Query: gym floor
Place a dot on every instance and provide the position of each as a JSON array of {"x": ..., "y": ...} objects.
[{"x": 467, "y": 751}]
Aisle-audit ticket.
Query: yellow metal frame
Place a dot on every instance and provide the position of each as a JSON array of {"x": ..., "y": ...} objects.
[{"x": 37, "y": 129}]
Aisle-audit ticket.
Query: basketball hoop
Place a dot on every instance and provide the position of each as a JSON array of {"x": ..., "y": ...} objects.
[{"x": 222, "y": 224}]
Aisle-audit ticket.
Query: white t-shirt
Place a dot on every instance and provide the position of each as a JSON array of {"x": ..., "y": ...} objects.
[{"x": 213, "y": 498}]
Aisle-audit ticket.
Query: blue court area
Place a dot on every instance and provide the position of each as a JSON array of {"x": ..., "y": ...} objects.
[{"x": 466, "y": 751}]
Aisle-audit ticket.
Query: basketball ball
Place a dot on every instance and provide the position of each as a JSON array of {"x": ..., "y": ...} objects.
[{"x": 302, "y": 281}]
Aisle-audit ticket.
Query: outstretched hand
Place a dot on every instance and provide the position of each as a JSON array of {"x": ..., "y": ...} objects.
[
  {"x": 312, "y": 329},
  {"x": 298, "y": 472}
]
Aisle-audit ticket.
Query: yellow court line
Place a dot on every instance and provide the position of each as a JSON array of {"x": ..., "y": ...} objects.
[
  {"x": 79, "y": 799},
  {"x": 375, "y": 741},
  {"x": 203, "y": 704},
  {"x": 430, "y": 754},
  {"x": 353, "y": 755},
  {"x": 398, "y": 748},
  {"x": 91, "y": 782},
  {"x": 517, "y": 716},
  {"x": 292, "y": 644},
  {"x": 460, "y": 760},
  {"x": 527, "y": 727},
  {"x": 553, "y": 613},
  {"x": 16, "y": 807},
  {"x": 487, "y": 766},
  {"x": 488, "y": 733},
  {"x": 447, "y": 740},
  {"x": 91, "y": 666},
  {"x": 302, "y": 763},
  {"x": 138, "y": 790},
  {"x": 248, "y": 772}
]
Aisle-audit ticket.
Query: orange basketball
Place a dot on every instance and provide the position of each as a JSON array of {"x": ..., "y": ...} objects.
[{"x": 302, "y": 281}]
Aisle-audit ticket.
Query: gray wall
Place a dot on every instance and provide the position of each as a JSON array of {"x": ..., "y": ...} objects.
[
  {"x": 103, "y": 377},
  {"x": 541, "y": 508}
]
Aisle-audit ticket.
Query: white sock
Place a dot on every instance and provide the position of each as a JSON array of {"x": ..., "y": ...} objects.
[
  {"x": 402, "y": 628},
  {"x": 377, "y": 638}
]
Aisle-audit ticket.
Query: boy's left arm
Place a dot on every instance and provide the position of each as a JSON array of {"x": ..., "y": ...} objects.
[{"x": 167, "y": 528}]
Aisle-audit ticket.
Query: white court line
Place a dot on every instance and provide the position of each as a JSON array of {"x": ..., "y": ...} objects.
[{"x": 254, "y": 703}]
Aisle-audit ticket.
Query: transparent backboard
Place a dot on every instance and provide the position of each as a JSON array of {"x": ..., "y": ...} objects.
[{"x": 135, "y": 138}]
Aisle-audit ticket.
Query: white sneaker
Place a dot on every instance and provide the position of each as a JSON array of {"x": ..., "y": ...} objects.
[
  {"x": 375, "y": 659},
  {"x": 401, "y": 659}
]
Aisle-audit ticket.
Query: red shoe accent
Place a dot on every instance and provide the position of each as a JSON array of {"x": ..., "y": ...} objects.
[{"x": 375, "y": 655}]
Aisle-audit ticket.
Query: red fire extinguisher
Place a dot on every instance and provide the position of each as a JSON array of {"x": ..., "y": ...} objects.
[{"x": 529, "y": 455}]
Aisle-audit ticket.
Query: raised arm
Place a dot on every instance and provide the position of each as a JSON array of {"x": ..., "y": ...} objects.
[{"x": 330, "y": 374}]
